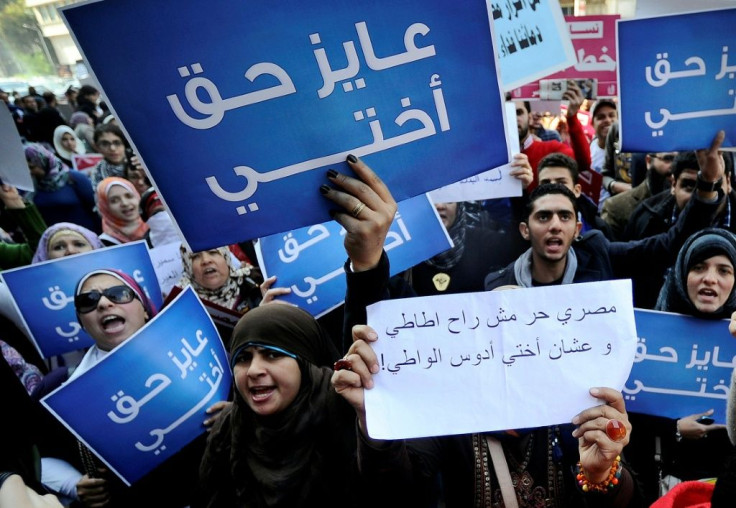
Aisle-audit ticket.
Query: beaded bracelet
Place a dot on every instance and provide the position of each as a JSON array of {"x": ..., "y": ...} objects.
[{"x": 606, "y": 485}]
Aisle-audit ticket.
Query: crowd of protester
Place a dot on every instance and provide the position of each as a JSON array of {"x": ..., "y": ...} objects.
[{"x": 294, "y": 433}]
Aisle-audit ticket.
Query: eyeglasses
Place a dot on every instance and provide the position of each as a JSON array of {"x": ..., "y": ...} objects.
[
  {"x": 687, "y": 184},
  {"x": 87, "y": 302},
  {"x": 665, "y": 158},
  {"x": 107, "y": 144}
]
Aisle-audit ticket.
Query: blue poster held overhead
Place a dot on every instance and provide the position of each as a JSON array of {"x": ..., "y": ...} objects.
[
  {"x": 677, "y": 91},
  {"x": 146, "y": 400},
  {"x": 311, "y": 260},
  {"x": 682, "y": 366},
  {"x": 258, "y": 100},
  {"x": 44, "y": 293}
]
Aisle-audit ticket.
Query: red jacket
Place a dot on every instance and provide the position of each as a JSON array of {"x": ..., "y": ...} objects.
[{"x": 580, "y": 150}]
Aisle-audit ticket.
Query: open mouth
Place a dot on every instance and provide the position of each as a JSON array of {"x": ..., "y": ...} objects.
[
  {"x": 554, "y": 245},
  {"x": 261, "y": 393},
  {"x": 707, "y": 293},
  {"x": 113, "y": 324}
]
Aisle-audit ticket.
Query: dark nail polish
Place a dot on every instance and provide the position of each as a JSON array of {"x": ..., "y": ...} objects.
[
  {"x": 352, "y": 158},
  {"x": 331, "y": 173},
  {"x": 323, "y": 189}
]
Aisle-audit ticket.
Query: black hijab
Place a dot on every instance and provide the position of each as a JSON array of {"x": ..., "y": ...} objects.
[
  {"x": 700, "y": 246},
  {"x": 300, "y": 456}
]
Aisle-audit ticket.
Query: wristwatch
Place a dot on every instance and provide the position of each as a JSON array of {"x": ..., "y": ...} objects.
[{"x": 706, "y": 186}]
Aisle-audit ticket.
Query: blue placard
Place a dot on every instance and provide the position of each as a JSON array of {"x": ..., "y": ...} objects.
[
  {"x": 682, "y": 366},
  {"x": 44, "y": 293},
  {"x": 310, "y": 260},
  {"x": 258, "y": 99},
  {"x": 659, "y": 73},
  {"x": 142, "y": 402}
]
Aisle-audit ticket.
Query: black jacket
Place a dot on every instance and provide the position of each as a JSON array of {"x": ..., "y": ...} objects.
[
  {"x": 651, "y": 217},
  {"x": 484, "y": 251},
  {"x": 601, "y": 259}
]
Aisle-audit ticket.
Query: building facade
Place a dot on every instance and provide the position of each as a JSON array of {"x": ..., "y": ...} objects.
[{"x": 54, "y": 30}]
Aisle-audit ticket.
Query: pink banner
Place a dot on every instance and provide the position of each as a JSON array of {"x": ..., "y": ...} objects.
[{"x": 594, "y": 40}]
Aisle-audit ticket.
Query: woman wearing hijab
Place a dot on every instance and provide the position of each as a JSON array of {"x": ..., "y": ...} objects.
[
  {"x": 65, "y": 239},
  {"x": 212, "y": 275},
  {"x": 84, "y": 129},
  {"x": 709, "y": 254},
  {"x": 117, "y": 201},
  {"x": 111, "y": 143},
  {"x": 66, "y": 144},
  {"x": 111, "y": 307},
  {"x": 288, "y": 440},
  {"x": 61, "y": 195},
  {"x": 476, "y": 253},
  {"x": 130, "y": 306},
  {"x": 98, "y": 295},
  {"x": 700, "y": 284}
]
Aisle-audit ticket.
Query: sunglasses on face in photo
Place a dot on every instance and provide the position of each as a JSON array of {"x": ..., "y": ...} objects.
[{"x": 87, "y": 302}]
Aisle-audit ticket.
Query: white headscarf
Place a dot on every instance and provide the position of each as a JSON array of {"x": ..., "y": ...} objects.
[{"x": 63, "y": 152}]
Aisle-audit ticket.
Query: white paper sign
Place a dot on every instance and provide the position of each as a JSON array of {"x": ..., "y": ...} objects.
[
  {"x": 479, "y": 362},
  {"x": 494, "y": 183},
  {"x": 166, "y": 261}
]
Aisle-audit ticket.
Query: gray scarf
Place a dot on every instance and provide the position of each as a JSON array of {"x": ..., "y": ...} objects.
[{"x": 523, "y": 268}]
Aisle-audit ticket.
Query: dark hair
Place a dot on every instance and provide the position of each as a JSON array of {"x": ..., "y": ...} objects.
[
  {"x": 87, "y": 90},
  {"x": 527, "y": 104},
  {"x": 111, "y": 129},
  {"x": 601, "y": 103},
  {"x": 561, "y": 160},
  {"x": 728, "y": 163},
  {"x": 49, "y": 97},
  {"x": 546, "y": 190},
  {"x": 683, "y": 161}
]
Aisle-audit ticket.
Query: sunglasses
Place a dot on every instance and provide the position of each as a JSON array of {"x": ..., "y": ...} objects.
[{"x": 87, "y": 302}]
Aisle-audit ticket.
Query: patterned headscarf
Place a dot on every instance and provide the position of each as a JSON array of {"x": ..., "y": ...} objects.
[
  {"x": 449, "y": 258},
  {"x": 700, "y": 246},
  {"x": 57, "y": 173},
  {"x": 42, "y": 251},
  {"x": 228, "y": 295},
  {"x": 114, "y": 226},
  {"x": 28, "y": 373},
  {"x": 105, "y": 169}
]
